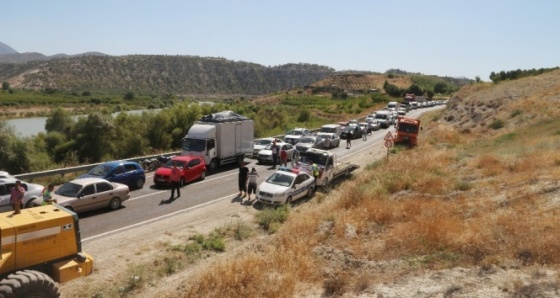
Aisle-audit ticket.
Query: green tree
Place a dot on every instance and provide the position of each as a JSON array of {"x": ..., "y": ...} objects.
[
  {"x": 60, "y": 121},
  {"x": 13, "y": 150},
  {"x": 129, "y": 95},
  {"x": 95, "y": 137},
  {"x": 415, "y": 89},
  {"x": 440, "y": 88}
]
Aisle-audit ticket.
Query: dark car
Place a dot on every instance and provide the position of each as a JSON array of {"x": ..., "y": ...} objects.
[
  {"x": 121, "y": 171},
  {"x": 354, "y": 131}
]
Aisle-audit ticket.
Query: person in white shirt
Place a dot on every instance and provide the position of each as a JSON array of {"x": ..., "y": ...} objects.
[{"x": 252, "y": 178}]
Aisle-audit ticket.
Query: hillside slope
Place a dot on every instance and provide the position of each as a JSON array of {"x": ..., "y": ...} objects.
[{"x": 182, "y": 75}]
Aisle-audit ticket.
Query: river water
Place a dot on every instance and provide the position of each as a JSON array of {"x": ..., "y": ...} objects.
[{"x": 26, "y": 127}]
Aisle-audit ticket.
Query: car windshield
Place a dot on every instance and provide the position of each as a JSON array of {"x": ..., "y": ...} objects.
[
  {"x": 196, "y": 145},
  {"x": 307, "y": 140},
  {"x": 311, "y": 158},
  {"x": 295, "y": 132},
  {"x": 380, "y": 116},
  {"x": 270, "y": 146},
  {"x": 100, "y": 170},
  {"x": 180, "y": 163},
  {"x": 262, "y": 142},
  {"x": 327, "y": 129},
  {"x": 280, "y": 179},
  {"x": 69, "y": 189}
]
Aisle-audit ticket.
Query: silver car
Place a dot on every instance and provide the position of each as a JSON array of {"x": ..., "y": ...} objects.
[
  {"x": 33, "y": 194},
  {"x": 86, "y": 194}
]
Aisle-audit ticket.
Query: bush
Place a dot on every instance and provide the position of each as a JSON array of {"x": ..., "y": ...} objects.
[
  {"x": 269, "y": 218},
  {"x": 497, "y": 124}
]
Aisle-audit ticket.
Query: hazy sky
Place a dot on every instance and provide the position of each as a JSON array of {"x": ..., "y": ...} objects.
[{"x": 440, "y": 37}]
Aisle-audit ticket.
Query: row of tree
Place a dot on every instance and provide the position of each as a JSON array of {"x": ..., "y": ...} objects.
[{"x": 517, "y": 74}]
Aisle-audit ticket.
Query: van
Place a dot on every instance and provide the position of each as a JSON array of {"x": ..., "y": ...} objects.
[
  {"x": 331, "y": 128},
  {"x": 392, "y": 104}
]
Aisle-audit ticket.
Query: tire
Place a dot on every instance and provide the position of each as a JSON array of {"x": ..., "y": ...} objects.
[
  {"x": 310, "y": 191},
  {"x": 31, "y": 204},
  {"x": 326, "y": 184},
  {"x": 115, "y": 203},
  {"x": 213, "y": 165},
  {"x": 289, "y": 200},
  {"x": 28, "y": 283},
  {"x": 202, "y": 175},
  {"x": 139, "y": 183}
]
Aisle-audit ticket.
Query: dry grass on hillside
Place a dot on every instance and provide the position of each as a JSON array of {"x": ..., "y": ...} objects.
[{"x": 456, "y": 200}]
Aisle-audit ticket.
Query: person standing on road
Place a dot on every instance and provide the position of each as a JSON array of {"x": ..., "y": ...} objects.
[
  {"x": 243, "y": 174},
  {"x": 275, "y": 152},
  {"x": 16, "y": 197},
  {"x": 252, "y": 188},
  {"x": 283, "y": 157},
  {"x": 349, "y": 136},
  {"x": 175, "y": 180}
]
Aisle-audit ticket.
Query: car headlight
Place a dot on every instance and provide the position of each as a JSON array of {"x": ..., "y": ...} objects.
[{"x": 279, "y": 194}]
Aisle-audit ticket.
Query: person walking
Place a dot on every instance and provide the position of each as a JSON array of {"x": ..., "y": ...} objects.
[
  {"x": 16, "y": 197},
  {"x": 175, "y": 180},
  {"x": 283, "y": 157},
  {"x": 275, "y": 152},
  {"x": 243, "y": 174},
  {"x": 252, "y": 187}
]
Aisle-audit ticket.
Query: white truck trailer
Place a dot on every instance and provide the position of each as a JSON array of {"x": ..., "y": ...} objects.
[
  {"x": 329, "y": 166},
  {"x": 220, "y": 138}
]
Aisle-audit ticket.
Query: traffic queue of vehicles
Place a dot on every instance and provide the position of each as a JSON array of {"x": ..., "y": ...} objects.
[{"x": 219, "y": 139}]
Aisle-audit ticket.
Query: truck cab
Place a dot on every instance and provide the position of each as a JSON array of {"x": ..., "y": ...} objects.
[
  {"x": 407, "y": 131},
  {"x": 329, "y": 166}
]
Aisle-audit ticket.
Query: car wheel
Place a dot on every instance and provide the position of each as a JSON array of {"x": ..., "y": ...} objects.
[
  {"x": 203, "y": 175},
  {"x": 310, "y": 191},
  {"x": 115, "y": 203},
  {"x": 31, "y": 204},
  {"x": 326, "y": 184},
  {"x": 139, "y": 183},
  {"x": 213, "y": 165},
  {"x": 289, "y": 200}
]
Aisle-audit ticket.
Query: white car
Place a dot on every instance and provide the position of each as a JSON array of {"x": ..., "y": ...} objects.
[
  {"x": 86, "y": 194},
  {"x": 33, "y": 194},
  {"x": 333, "y": 138},
  {"x": 4, "y": 175},
  {"x": 265, "y": 155},
  {"x": 295, "y": 134},
  {"x": 285, "y": 186},
  {"x": 260, "y": 144}
]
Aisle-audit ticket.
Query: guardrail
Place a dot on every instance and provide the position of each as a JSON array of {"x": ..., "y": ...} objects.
[{"x": 84, "y": 168}]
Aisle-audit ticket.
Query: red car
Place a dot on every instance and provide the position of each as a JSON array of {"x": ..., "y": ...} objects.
[{"x": 192, "y": 168}]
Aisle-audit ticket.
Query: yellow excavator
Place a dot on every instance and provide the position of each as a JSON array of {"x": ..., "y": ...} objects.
[{"x": 40, "y": 247}]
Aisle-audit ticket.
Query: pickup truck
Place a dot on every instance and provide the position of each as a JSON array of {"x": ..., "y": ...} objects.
[{"x": 329, "y": 166}]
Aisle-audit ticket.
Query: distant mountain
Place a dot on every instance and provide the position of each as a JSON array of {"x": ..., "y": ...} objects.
[
  {"x": 6, "y": 49},
  {"x": 9, "y": 55}
]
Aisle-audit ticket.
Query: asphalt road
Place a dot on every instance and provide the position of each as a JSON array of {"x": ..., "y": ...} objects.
[{"x": 151, "y": 204}]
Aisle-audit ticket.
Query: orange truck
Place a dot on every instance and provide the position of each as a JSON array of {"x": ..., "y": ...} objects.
[{"x": 407, "y": 131}]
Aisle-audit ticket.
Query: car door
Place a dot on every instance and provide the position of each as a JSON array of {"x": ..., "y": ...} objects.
[
  {"x": 192, "y": 170},
  {"x": 118, "y": 174},
  {"x": 104, "y": 192},
  {"x": 299, "y": 186},
  {"x": 86, "y": 199},
  {"x": 5, "y": 198}
]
